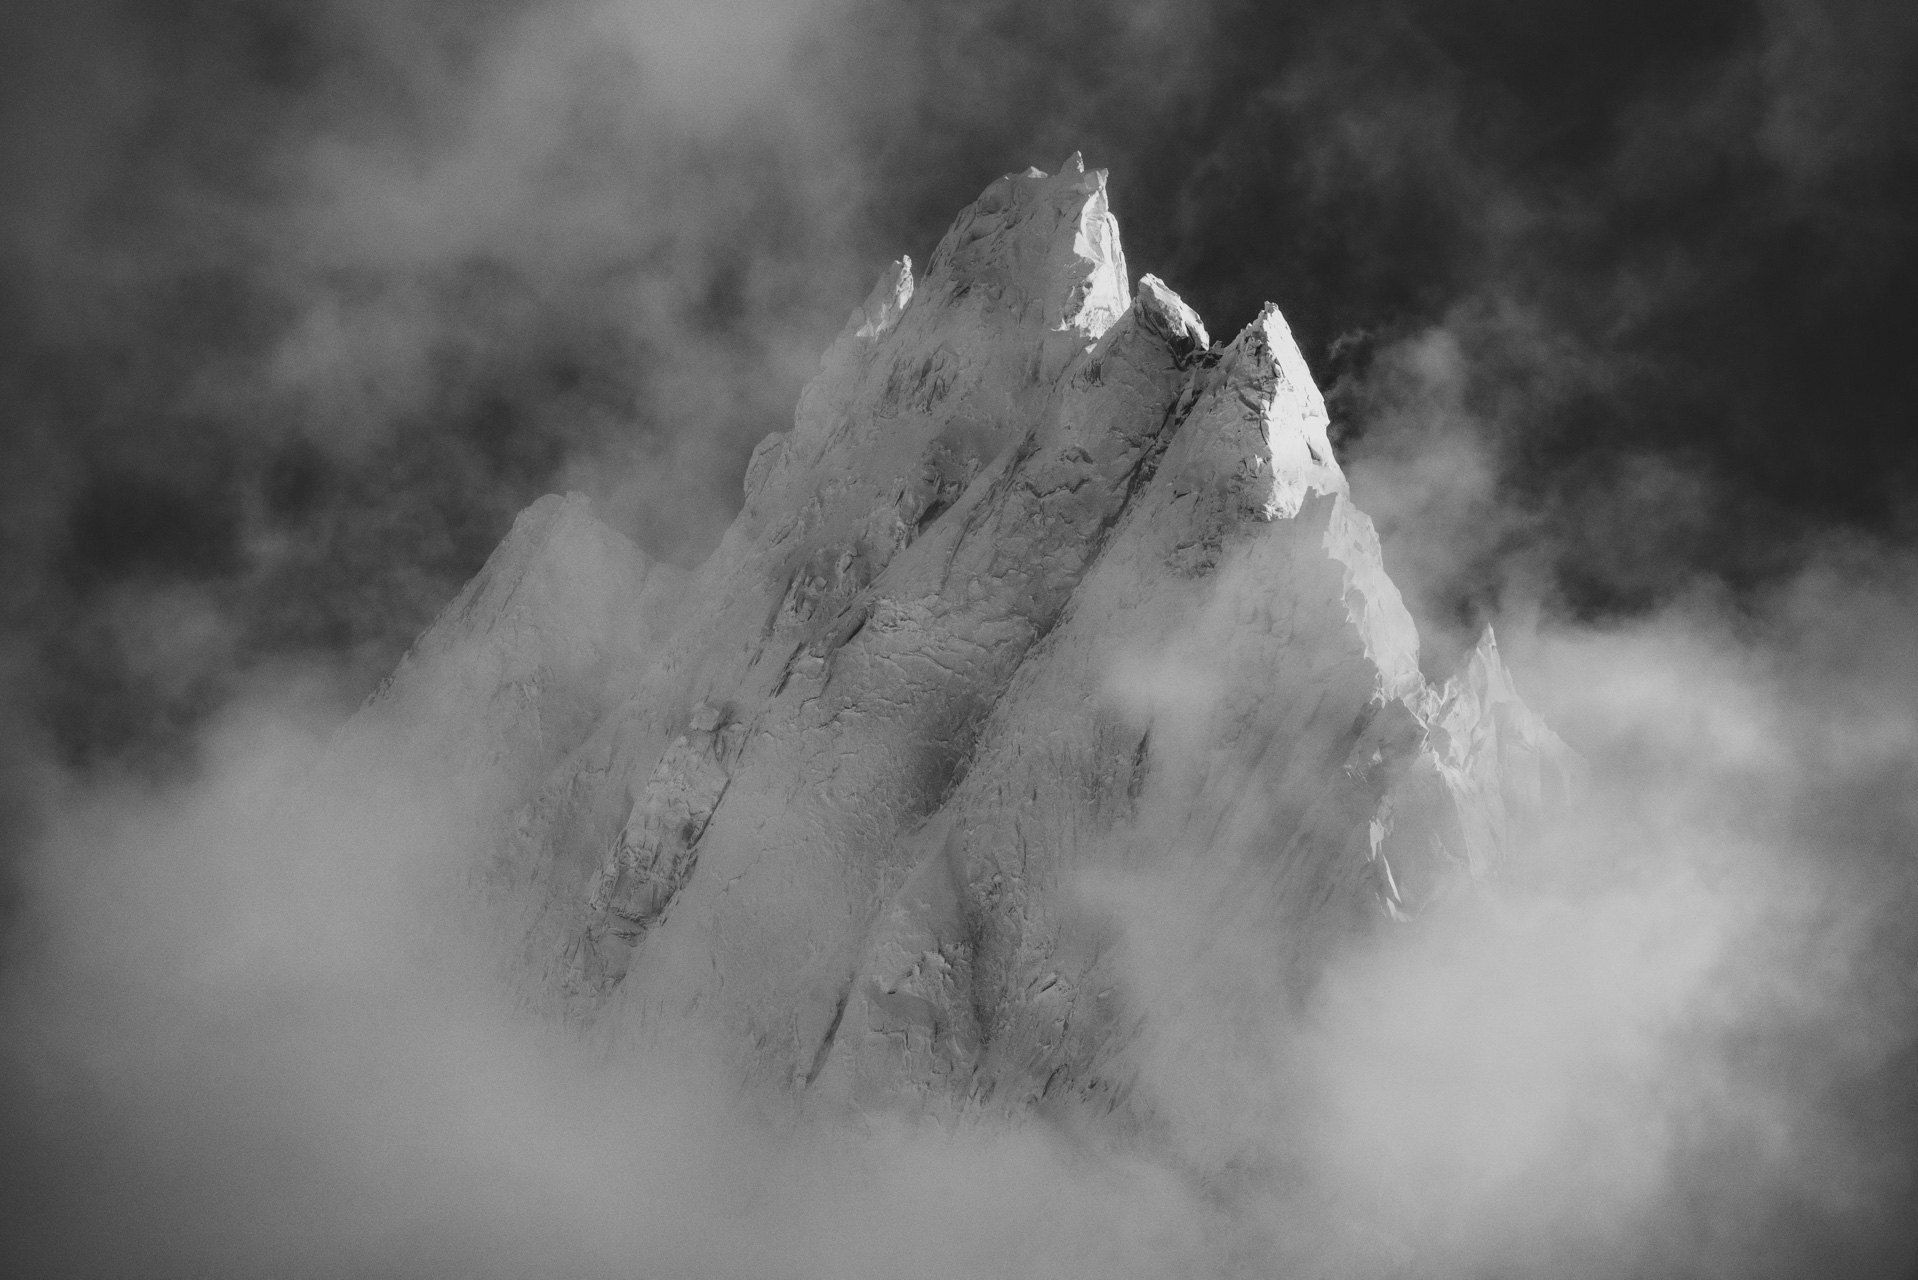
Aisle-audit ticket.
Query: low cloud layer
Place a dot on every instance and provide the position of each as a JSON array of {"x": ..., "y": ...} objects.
[{"x": 253, "y": 1024}]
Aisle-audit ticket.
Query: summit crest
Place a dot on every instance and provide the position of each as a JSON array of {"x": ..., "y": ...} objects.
[{"x": 1042, "y": 587}]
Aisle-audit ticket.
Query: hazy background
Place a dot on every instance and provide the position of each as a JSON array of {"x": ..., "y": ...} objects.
[{"x": 301, "y": 302}]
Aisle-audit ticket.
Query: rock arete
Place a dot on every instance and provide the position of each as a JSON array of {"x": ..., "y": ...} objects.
[{"x": 1044, "y": 594}]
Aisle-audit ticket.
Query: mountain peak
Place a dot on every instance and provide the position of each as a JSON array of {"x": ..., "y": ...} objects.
[
  {"x": 1044, "y": 240},
  {"x": 1041, "y": 586},
  {"x": 1265, "y": 371},
  {"x": 1166, "y": 312},
  {"x": 886, "y": 303}
]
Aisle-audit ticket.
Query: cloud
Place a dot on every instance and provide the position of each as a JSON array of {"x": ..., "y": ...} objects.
[
  {"x": 346, "y": 286},
  {"x": 1674, "y": 1037},
  {"x": 402, "y": 268},
  {"x": 252, "y": 1025}
]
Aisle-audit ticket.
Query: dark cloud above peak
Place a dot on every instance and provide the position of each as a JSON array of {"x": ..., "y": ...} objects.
[{"x": 304, "y": 301}]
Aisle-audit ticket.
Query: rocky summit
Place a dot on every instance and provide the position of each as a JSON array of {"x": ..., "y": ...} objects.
[{"x": 1047, "y": 647}]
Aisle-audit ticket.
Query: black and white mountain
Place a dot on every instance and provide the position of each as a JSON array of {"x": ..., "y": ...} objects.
[{"x": 1046, "y": 597}]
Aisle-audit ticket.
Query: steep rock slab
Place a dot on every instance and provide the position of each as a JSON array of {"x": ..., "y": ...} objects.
[
  {"x": 922, "y": 390},
  {"x": 1227, "y": 702},
  {"x": 921, "y": 394},
  {"x": 1048, "y": 684},
  {"x": 866, "y": 725}
]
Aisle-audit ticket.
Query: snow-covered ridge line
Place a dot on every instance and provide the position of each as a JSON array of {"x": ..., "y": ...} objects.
[{"x": 1042, "y": 588}]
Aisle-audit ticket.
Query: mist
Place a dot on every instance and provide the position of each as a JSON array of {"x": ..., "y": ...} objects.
[
  {"x": 254, "y": 1024},
  {"x": 255, "y": 1031},
  {"x": 303, "y": 303}
]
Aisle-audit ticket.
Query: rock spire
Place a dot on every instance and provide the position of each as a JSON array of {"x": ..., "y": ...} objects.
[{"x": 1044, "y": 590}]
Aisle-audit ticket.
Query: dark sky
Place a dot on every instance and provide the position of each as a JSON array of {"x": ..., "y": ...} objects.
[{"x": 302, "y": 301}]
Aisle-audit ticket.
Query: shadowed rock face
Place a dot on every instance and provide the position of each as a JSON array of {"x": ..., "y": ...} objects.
[{"x": 1044, "y": 593}]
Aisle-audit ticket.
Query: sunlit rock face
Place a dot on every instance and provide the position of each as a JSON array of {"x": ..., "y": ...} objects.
[{"x": 1045, "y": 602}]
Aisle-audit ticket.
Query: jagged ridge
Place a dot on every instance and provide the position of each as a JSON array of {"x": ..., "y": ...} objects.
[{"x": 1041, "y": 585}]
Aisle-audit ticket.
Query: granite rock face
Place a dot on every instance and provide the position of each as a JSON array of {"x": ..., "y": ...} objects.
[{"x": 1044, "y": 591}]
